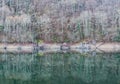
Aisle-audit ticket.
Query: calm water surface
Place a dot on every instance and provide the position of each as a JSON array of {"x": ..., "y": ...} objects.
[{"x": 59, "y": 68}]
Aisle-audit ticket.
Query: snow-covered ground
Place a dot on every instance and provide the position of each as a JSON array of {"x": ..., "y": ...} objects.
[{"x": 79, "y": 47}]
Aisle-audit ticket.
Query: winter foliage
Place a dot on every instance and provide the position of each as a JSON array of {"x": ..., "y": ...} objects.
[{"x": 59, "y": 20}]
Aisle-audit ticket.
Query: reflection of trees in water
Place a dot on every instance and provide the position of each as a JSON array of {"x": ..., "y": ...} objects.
[
  {"x": 16, "y": 66},
  {"x": 62, "y": 68}
]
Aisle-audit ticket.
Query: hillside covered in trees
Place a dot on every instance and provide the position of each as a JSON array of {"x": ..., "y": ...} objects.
[{"x": 59, "y": 20}]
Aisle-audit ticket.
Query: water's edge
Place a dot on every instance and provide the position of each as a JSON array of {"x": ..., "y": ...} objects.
[{"x": 113, "y": 47}]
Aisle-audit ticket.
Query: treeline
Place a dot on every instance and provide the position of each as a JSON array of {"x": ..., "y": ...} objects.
[{"x": 59, "y": 20}]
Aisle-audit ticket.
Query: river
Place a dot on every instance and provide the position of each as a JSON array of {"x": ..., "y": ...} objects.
[{"x": 60, "y": 68}]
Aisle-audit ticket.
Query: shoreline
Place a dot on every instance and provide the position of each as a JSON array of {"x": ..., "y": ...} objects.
[{"x": 100, "y": 47}]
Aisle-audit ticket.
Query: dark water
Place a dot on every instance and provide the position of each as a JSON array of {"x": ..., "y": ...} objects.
[{"x": 58, "y": 68}]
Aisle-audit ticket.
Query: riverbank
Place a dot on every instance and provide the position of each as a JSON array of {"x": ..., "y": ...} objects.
[
  {"x": 48, "y": 48},
  {"x": 100, "y": 47}
]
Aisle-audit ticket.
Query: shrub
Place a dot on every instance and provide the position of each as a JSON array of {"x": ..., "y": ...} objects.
[
  {"x": 117, "y": 38},
  {"x": 1, "y": 27}
]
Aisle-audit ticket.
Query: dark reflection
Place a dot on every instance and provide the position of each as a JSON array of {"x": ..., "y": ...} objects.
[{"x": 60, "y": 68}]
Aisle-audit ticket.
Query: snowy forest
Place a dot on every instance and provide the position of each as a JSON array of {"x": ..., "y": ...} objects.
[{"x": 59, "y": 20}]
